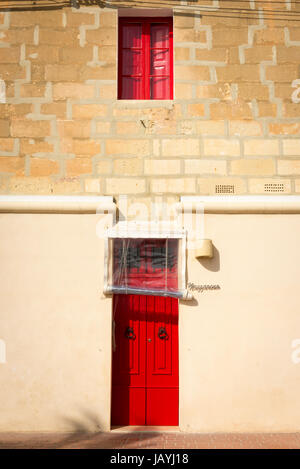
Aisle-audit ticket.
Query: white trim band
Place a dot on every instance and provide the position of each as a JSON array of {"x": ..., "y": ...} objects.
[
  {"x": 241, "y": 204},
  {"x": 90, "y": 204},
  {"x": 144, "y": 229},
  {"x": 56, "y": 204}
]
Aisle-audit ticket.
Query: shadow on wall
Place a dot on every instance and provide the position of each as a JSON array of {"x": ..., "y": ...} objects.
[
  {"x": 86, "y": 431},
  {"x": 212, "y": 264},
  {"x": 192, "y": 302},
  {"x": 87, "y": 422}
]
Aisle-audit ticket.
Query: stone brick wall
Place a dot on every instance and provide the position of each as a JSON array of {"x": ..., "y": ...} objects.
[{"x": 233, "y": 127}]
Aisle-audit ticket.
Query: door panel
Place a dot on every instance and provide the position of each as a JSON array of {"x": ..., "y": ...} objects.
[
  {"x": 129, "y": 364},
  {"x": 128, "y": 406},
  {"x": 145, "y": 364},
  {"x": 129, "y": 367},
  {"x": 162, "y": 351},
  {"x": 162, "y": 406}
]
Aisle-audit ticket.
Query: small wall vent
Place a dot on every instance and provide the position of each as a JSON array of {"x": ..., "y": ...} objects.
[
  {"x": 274, "y": 187},
  {"x": 224, "y": 189}
]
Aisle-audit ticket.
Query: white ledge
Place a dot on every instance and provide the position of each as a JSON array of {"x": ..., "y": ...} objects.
[
  {"x": 241, "y": 204},
  {"x": 55, "y": 204},
  {"x": 90, "y": 204}
]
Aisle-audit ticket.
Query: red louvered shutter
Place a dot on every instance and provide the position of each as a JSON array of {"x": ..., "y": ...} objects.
[{"x": 145, "y": 58}]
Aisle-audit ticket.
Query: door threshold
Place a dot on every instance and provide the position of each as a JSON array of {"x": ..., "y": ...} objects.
[{"x": 144, "y": 429}]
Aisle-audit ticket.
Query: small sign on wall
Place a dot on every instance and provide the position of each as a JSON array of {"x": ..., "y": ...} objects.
[{"x": 2, "y": 351}]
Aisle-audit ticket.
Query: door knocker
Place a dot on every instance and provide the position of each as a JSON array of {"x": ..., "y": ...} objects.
[
  {"x": 129, "y": 333},
  {"x": 162, "y": 333}
]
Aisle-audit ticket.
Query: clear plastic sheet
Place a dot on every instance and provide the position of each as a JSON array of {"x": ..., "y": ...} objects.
[{"x": 150, "y": 266}]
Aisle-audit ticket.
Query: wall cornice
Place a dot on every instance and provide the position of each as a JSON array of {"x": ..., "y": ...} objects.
[
  {"x": 55, "y": 204},
  {"x": 241, "y": 204}
]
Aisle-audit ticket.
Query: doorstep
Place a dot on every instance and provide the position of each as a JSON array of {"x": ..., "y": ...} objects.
[{"x": 144, "y": 429}]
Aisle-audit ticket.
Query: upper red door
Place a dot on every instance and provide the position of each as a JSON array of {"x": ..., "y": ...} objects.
[
  {"x": 145, "y": 357},
  {"x": 145, "y": 58},
  {"x": 145, "y": 361}
]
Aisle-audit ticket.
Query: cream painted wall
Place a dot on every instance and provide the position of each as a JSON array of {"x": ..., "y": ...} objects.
[
  {"x": 55, "y": 323},
  {"x": 236, "y": 368}
]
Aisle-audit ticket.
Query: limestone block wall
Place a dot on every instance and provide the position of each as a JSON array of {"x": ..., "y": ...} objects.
[{"x": 232, "y": 128}]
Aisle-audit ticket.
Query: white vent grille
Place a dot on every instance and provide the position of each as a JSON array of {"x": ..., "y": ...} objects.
[
  {"x": 274, "y": 187},
  {"x": 224, "y": 189}
]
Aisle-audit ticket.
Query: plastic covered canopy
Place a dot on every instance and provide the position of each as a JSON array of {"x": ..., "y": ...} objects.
[{"x": 147, "y": 263}]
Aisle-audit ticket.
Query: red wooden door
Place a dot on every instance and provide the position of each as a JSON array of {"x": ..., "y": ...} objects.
[
  {"x": 145, "y": 361},
  {"x": 162, "y": 361}
]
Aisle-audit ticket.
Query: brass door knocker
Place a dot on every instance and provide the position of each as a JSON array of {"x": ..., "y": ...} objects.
[
  {"x": 162, "y": 333},
  {"x": 129, "y": 333}
]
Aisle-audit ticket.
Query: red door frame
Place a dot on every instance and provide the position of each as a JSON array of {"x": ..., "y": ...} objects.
[
  {"x": 146, "y": 375},
  {"x": 146, "y": 22}
]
